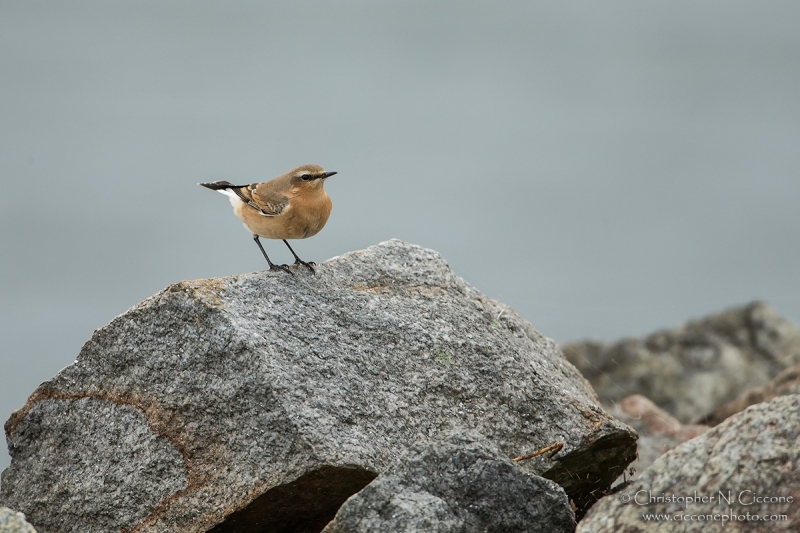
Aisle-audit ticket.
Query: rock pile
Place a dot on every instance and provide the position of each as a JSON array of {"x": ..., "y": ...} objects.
[
  {"x": 694, "y": 369},
  {"x": 741, "y": 475}
]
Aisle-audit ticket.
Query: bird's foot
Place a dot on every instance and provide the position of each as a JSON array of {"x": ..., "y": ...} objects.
[
  {"x": 285, "y": 268},
  {"x": 308, "y": 265}
]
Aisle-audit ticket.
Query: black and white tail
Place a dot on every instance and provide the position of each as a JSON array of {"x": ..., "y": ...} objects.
[{"x": 221, "y": 185}]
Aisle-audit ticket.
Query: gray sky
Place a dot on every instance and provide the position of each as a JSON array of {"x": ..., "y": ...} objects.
[{"x": 606, "y": 169}]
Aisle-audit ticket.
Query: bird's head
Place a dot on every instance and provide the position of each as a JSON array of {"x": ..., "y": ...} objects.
[{"x": 309, "y": 178}]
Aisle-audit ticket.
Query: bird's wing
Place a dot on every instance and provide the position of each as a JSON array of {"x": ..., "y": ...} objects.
[
  {"x": 269, "y": 197},
  {"x": 268, "y": 201}
]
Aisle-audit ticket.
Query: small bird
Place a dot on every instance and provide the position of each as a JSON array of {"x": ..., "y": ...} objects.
[{"x": 292, "y": 206}]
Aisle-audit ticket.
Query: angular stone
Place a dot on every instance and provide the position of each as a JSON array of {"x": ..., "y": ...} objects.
[
  {"x": 692, "y": 370},
  {"x": 747, "y": 466},
  {"x": 222, "y": 403},
  {"x": 456, "y": 484}
]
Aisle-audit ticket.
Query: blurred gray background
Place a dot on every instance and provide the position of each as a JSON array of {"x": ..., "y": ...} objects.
[{"x": 606, "y": 169}]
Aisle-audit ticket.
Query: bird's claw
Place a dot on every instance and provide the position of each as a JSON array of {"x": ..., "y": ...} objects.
[
  {"x": 285, "y": 268},
  {"x": 309, "y": 265}
]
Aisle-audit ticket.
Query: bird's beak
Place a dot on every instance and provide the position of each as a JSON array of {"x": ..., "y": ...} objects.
[{"x": 328, "y": 175}]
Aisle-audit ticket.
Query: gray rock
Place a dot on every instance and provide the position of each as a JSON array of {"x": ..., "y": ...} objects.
[
  {"x": 787, "y": 382},
  {"x": 456, "y": 484},
  {"x": 110, "y": 467},
  {"x": 261, "y": 402},
  {"x": 694, "y": 369},
  {"x": 747, "y": 466},
  {"x": 14, "y": 522}
]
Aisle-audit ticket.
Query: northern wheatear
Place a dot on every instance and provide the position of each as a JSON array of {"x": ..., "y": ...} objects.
[{"x": 292, "y": 206}]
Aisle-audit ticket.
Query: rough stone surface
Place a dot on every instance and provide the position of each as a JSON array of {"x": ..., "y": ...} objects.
[
  {"x": 694, "y": 369},
  {"x": 217, "y": 403},
  {"x": 456, "y": 484},
  {"x": 112, "y": 468},
  {"x": 14, "y": 522},
  {"x": 787, "y": 382},
  {"x": 753, "y": 454},
  {"x": 658, "y": 431}
]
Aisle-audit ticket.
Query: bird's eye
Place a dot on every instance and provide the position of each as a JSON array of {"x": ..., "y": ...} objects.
[{"x": 305, "y": 177}]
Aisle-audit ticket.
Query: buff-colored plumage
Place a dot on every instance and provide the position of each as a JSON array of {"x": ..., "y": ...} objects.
[{"x": 291, "y": 206}]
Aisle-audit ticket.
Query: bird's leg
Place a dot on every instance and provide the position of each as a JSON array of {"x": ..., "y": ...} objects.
[
  {"x": 272, "y": 266},
  {"x": 298, "y": 261}
]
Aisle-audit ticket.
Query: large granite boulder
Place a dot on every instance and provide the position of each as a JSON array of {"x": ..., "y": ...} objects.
[
  {"x": 458, "y": 483},
  {"x": 742, "y": 475},
  {"x": 261, "y": 402},
  {"x": 692, "y": 370}
]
